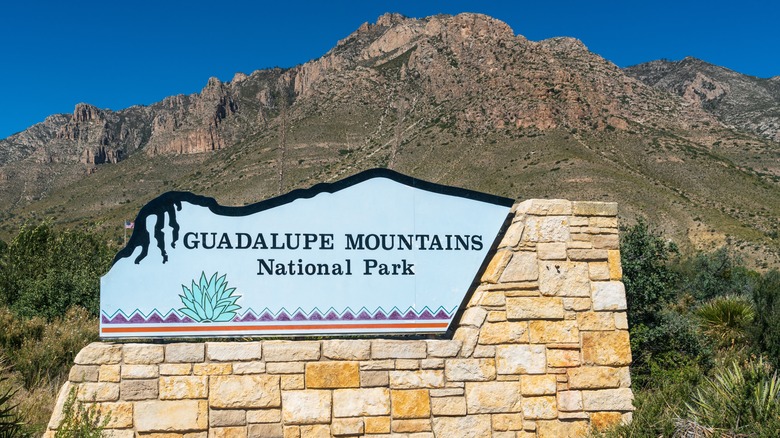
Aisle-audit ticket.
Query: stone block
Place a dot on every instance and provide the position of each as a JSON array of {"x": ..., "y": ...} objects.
[
  {"x": 604, "y": 420},
  {"x": 386, "y": 349},
  {"x": 606, "y": 348},
  {"x": 84, "y": 373},
  {"x": 284, "y": 367},
  {"x": 603, "y": 222},
  {"x": 407, "y": 364},
  {"x": 560, "y": 358},
  {"x": 534, "y": 308},
  {"x": 252, "y": 367},
  {"x": 551, "y": 251},
  {"x": 512, "y": 235},
  {"x": 410, "y": 403},
  {"x": 306, "y": 407},
  {"x": 608, "y": 295},
  {"x": 562, "y": 429},
  {"x": 347, "y": 427},
  {"x": 619, "y": 399},
  {"x": 587, "y": 255},
  {"x": 496, "y": 316},
  {"x": 98, "y": 392},
  {"x": 471, "y": 426},
  {"x": 598, "y": 271},
  {"x": 493, "y": 397},
  {"x": 361, "y": 402},
  {"x": 432, "y": 364},
  {"x": 615, "y": 268},
  {"x": 496, "y": 266},
  {"x": 170, "y": 416},
  {"x": 227, "y": 432},
  {"x": 140, "y": 371},
  {"x": 175, "y": 369},
  {"x": 369, "y": 379},
  {"x": 143, "y": 354},
  {"x": 593, "y": 321},
  {"x": 539, "y": 408},
  {"x": 183, "y": 387},
  {"x": 564, "y": 279},
  {"x": 545, "y": 207},
  {"x": 544, "y": 332},
  {"x": 448, "y": 406},
  {"x": 377, "y": 425},
  {"x": 265, "y": 431},
  {"x": 576, "y": 304},
  {"x": 443, "y": 348},
  {"x": 212, "y": 369},
  {"x": 473, "y": 316},
  {"x": 234, "y": 351},
  {"x": 264, "y": 416},
  {"x": 227, "y": 417},
  {"x": 448, "y": 392},
  {"x": 569, "y": 401},
  {"x": 467, "y": 337},
  {"x": 598, "y": 377},
  {"x": 340, "y": 374},
  {"x": 521, "y": 359},
  {"x": 505, "y": 422},
  {"x": 621, "y": 321},
  {"x": 589, "y": 208},
  {"x": 110, "y": 373},
  {"x": 289, "y": 351},
  {"x": 346, "y": 349},
  {"x": 416, "y": 379},
  {"x": 185, "y": 352},
  {"x": 546, "y": 229},
  {"x": 377, "y": 365},
  {"x": 120, "y": 415},
  {"x": 247, "y": 391},
  {"x": 411, "y": 426},
  {"x": 292, "y": 381},
  {"x": 515, "y": 332},
  {"x": 470, "y": 370},
  {"x": 315, "y": 431},
  {"x": 523, "y": 266},
  {"x": 138, "y": 389},
  {"x": 606, "y": 241},
  {"x": 98, "y": 353},
  {"x": 544, "y": 384}
]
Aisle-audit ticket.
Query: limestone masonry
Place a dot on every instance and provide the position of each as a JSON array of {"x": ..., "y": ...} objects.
[{"x": 542, "y": 350}]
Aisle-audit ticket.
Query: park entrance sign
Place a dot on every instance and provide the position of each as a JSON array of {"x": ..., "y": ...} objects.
[{"x": 378, "y": 252}]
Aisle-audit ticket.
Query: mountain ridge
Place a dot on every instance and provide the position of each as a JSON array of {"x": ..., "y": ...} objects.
[{"x": 458, "y": 100}]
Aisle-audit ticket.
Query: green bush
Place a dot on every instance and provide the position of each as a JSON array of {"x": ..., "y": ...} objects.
[
  {"x": 10, "y": 423},
  {"x": 766, "y": 329},
  {"x": 43, "y": 272}
]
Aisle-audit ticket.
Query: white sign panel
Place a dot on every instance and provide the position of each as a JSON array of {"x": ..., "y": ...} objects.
[{"x": 378, "y": 252}]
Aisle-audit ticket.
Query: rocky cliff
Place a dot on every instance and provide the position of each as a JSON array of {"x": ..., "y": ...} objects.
[{"x": 745, "y": 102}]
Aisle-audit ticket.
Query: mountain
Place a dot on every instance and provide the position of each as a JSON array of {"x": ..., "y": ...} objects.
[
  {"x": 458, "y": 100},
  {"x": 746, "y": 102}
]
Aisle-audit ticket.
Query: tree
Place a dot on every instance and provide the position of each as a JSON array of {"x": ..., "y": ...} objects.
[
  {"x": 44, "y": 271},
  {"x": 766, "y": 330}
]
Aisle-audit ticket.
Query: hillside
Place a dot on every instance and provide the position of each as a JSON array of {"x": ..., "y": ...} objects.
[{"x": 456, "y": 100}]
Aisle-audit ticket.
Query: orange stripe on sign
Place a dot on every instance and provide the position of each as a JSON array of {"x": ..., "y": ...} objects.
[{"x": 202, "y": 328}]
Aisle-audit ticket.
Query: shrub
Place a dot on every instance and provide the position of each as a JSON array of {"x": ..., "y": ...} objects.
[
  {"x": 727, "y": 320},
  {"x": 10, "y": 423},
  {"x": 42, "y": 351},
  {"x": 766, "y": 330},
  {"x": 738, "y": 400}
]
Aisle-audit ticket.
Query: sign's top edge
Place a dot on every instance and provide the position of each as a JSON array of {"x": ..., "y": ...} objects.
[{"x": 170, "y": 201}]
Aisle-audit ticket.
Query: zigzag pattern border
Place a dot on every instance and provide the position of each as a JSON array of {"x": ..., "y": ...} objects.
[{"x": 283, "y": 315}]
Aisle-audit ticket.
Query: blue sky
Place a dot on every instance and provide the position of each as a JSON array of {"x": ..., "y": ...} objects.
[{"x": 117, "y": 54}]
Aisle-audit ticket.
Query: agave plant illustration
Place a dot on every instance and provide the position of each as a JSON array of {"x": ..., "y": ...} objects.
[{"x": 209, "y": 300}]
